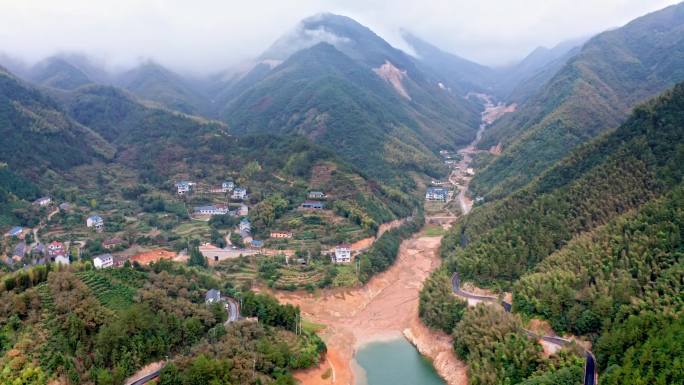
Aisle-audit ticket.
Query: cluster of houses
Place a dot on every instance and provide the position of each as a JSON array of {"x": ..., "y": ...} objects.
[
  {"x": 54, "y": 252},
  {"x": 221, "y": 209},
  {"x": 245, "y": 228},
  {"x": 438, "y": 194},
  {"x": 314, "y": 201},
  {"x": 237, "y": 193}
]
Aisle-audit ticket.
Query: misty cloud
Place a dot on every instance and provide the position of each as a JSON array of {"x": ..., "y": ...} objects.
[{"x": 210, "y": 35}]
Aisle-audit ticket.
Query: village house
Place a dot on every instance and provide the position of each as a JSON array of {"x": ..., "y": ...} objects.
[
  {"x": 38, "y": 249},
  {"x": 96, "y": 222},
  {"x": 44, "y": 201},
  {"x": 246, "y": 237},
  {"x": 112, "y": 243},
  {"x": 211, "y": 210},
  {"x": 120, "y": 260},
  {"x": 243, "y": 211},
  {"x": 245, "y": 225},
  {"x": 239, "y": 193},
  {"x": 65, "y": 206},
  {"x": 184, "y": 187},
  {"x": 19, "y": 250},
  {"x": 436, "y": 194},
  {"x": 342, "y": 253},
  {"x": 316, "y": 195},
  {"x": 313, "y": 205},
  {"x": 281, "y": 234},
  {"x": 212, "y": 296},
  {"x": 103, "y": 261},
  {"x": 40, "y": 261},
  {"x": 257, "y": 244},
  {"x": 16, "y": 231},
  {"x": 470, "y": 171},
  {"x": 227, "y": 186},
  {"x": 56, "y": 252}
]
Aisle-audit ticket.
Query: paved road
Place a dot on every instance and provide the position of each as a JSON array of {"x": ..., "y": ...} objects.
[
  {"x": 147, "y": 378},
  {"x": 590, "y": 374},
  {"x": 232, "y": 309}
]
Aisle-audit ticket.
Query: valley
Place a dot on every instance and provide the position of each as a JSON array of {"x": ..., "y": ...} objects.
[
  {"x": 386, "y": 308},
  {"x": 335, "y": 208}
]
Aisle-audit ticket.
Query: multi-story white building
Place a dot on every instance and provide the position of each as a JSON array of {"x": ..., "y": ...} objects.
[
  {"x": 239, "y": 193},
  {"x": 103, "y": 261},
  {"x": 184, "y": 187},
  {"x": 211, "y": 210},
  {"x": 96, "y": 222},
  {"x": 342, "y": 253},
  {"x": 436, "y": 194}
]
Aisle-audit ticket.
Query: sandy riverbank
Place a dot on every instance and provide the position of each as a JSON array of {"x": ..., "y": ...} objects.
[{"x": 385, "y": 308}]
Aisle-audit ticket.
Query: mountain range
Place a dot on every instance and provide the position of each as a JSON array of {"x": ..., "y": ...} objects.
[
  {"x": 593, "y": 91},
  {"x": 581, "y": 184}
]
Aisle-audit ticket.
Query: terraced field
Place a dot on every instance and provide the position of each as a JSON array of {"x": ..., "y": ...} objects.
[{"x": 110, "y": 294}]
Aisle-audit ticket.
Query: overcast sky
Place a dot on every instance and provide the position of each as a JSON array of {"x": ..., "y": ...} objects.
[{"x": 210, "y": 35}]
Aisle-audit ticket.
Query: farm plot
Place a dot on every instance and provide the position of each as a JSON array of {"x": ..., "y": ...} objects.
[{"x": 112, "y": 295}]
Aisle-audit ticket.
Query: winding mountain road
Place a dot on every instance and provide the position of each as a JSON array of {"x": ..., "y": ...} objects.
[
  {"x": 590, "y": 373},
  {"x": 232, "y": 308}
]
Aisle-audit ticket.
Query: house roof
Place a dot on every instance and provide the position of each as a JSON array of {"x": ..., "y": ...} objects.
[
  {"x": 20, "y": 249},
  {"x": 65, "y": 206},
  {"x": 204, "y": 208},
  {"x": 15, "y": 230},
  {"x": 38, "y": 249},
  {"x": 105, "y": 257},
  {"x": 95, "y": 218},
  {"x": 112, "y": 241},
  {"x": 213, "y": 294},
  {"x": 257, "y": 243},
  {"x": 313, "y": 203},
  {"x": 56, "y": 245},
  {"x": 343, "y": 246}
]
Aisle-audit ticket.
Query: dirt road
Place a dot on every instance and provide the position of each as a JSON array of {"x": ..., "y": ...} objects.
[
  {"x": 489, "y": 115},
  {"x": 385, "y": 308}
]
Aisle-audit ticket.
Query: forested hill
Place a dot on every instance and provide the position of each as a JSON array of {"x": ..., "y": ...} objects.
[
  {"x": 359, "y": 95},
  {"x": 601, "y": 180},
  {"x": 593, "y": 92},
  {"x": 38, "y": 134},
  {"x": 514, "y": 83},
  {"x": 595, "y": 246},
  {"x": 152, "y": 81},
  {"x": 83, "y": 326}
]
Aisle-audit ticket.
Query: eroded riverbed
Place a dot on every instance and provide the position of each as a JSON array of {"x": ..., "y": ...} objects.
[{"x": 384, "y": 309}]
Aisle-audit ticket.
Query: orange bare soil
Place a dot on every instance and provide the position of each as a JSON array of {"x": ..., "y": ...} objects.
[
  {"x": 385, "y": 308},
  {"x": 152, "y": 256},
  {"x": 365, "y": 243}
]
